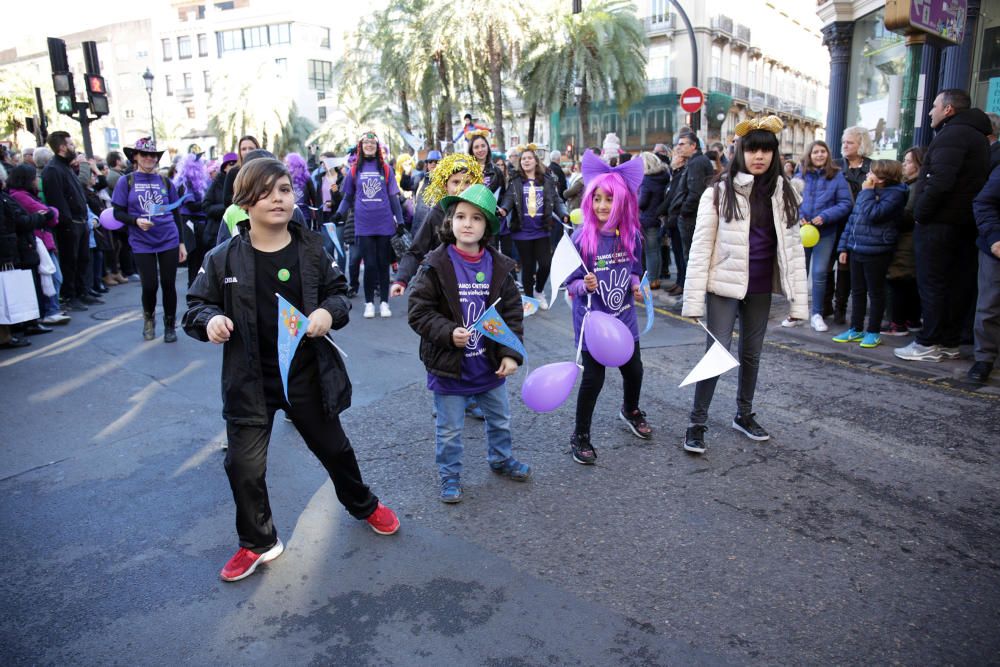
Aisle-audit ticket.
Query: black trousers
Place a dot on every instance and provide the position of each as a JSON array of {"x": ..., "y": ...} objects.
[
  {"x": 593, "y": 382},
  {"x": 377, "y": 254},
  {"x": 73, "y": 241},
  {"x": 246, "y": 467},
  {"x": 904, "y": 301},
  {"x": 868, "y": 284},
  {"x": 147, "y": 264},
  {"x": 536, "y": 261},
  {"x": 947, "y": 262}
]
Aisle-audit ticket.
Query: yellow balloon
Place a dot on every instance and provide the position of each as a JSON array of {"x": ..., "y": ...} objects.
[
  {"x": 576, "y": 216},
  {"x": 810, "y": 235}
]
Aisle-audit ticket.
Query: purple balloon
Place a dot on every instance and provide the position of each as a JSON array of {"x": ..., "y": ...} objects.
[
  {"x": 108, "y": 220},
  {"x": 608, "y": 340},
  {"x": 548, "y": 387}
]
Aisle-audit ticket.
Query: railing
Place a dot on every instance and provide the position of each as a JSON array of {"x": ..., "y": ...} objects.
[
  {"x": 722, "y": 24},
  {"x": 740, "y": 91},
  {"x": 660, "y": 24},
  {"x": 743, "y": 33},
  {"x": 717, "y": 85},
  {"x": 661, "y": 86}
]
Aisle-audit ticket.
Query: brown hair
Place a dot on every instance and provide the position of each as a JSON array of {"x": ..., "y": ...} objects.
[
  {"x": 539, "y": 169},
  {"x": 918, "y": 153},
  {"x": 805, "y": 164},
  {"x": 256, "y": 179},
  {"x": 246, "y": 137},
  {"x": 447, "y": 234},
  {"x": 890, "y": 171}
]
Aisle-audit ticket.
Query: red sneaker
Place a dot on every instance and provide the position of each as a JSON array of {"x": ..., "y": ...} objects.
[
  {"x": 244, "y": 562},
  {"x": 383, "y": 520}
]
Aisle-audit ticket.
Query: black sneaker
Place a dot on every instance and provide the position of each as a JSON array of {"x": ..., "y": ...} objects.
[
  {"x": 694, "y": 439},
  {"x": 636, "y": 422},
  {"x": 980, "y": 371},
  {"x": 749, "y": 427},
  {"x": 75, "y": 306},
  {"x": 91, "y": 300},
  {"x": 583, "y": 451},
  {"x": 351, "y": 293}
]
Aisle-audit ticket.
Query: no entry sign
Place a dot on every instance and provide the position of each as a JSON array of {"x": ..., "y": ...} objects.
[{"x": 692, "y": 99}]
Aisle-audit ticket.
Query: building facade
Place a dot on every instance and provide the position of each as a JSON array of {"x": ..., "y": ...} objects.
[{"x": 868, "y": 69}]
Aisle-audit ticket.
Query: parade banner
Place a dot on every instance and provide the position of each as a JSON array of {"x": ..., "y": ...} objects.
[
  {"x": 290, "y": 326},
  {"x": 493, "y": 326},
  {"x": 647, "y": 298}
]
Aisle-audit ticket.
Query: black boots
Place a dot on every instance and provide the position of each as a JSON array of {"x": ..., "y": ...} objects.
[
  {"x": 169, "y": 333},
  {"x": 148, "y": 326}
]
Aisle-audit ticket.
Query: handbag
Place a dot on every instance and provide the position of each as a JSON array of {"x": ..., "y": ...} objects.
[
  {"x": 18, "y": 302},
  {"x": 46, "y": 268}
]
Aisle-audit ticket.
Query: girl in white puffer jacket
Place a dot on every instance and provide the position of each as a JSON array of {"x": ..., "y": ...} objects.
[{"x": 746, "y": 245}]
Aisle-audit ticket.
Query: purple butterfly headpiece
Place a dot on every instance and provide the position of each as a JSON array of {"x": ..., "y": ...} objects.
[{"x": 631, "y": 172}]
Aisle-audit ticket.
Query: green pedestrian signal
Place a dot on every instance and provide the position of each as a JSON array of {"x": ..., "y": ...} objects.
[{"x": 64, "y": 104}]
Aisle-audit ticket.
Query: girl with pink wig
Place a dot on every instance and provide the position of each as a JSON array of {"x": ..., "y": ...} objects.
[{"x": 610, "y": 244}]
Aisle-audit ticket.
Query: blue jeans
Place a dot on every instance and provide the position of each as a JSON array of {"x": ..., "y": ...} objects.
[
  {"x": 817, "y": 261},
  {"x": 50, "y": 304},
  {"x": 451, "y": 421},
  {"x": 651, "y": 246}
]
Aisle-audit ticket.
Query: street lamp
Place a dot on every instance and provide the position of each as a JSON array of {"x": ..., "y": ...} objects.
[
  {"x": 147, "y": 78},
  {"x": 578, "y": 93}
]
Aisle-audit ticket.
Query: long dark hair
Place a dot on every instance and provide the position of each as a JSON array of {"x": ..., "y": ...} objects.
[
  {"x": 753, "y": 141},
  {"x": 23, "y": 177},
  {"x": 489, "y": 149},
  {"x": 447, "y": 234},
  {"x": 829, "y": 170}
]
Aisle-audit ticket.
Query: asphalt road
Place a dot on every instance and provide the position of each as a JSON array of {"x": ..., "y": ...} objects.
[{"x": 866, "y": 531}]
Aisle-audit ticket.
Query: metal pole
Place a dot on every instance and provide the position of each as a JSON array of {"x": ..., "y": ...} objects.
[
  {"x": 152, "y": 121},
  {"x": 911, "y": 85},
  {"x": 696, "y": 116},
  {"x": 84, "y": 120}
]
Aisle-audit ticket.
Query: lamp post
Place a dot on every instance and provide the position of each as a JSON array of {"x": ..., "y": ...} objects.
[
  {"x": 147, "y": 78},
  {"x": 577, "y": 94}
]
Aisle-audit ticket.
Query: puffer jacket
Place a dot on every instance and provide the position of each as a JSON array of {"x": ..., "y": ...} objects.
[
  {"x": 828, "y": 198},
  {"x": 720, "y": 253},
  {"x": 987, "y": 208},
  {"x": 904, "y": 263},
  {"x": 651, "y": 194},
  {"x": 873, "y": 227}
]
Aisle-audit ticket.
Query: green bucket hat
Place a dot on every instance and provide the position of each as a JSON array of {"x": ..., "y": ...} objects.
[{"x": 482, "y": 198}]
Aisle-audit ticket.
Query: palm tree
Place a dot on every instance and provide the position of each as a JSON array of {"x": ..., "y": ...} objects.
[
  {"x": 17, "y": 101},
  {"x": 258, "y": 102},
  {"x": 603, "y": 48}
]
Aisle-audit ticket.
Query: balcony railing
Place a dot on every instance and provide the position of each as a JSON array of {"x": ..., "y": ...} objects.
[
  {"x": 741, "y": 92},
  {"x": 717, "y": 85},
  {"x": 662, "y": 23},
  {"x": 661, "y": 86},
  {"x": 722, "y": 24},
  {"x": 743, "y": 33}
]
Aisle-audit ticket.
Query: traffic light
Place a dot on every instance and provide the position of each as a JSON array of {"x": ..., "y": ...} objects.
[
  {"x": 96, "y": 91},
  {"x": 62, "y": 79}
]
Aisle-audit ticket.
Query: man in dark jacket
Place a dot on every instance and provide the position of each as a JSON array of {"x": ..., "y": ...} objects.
[
  {"x": 670, "y": 209},
  {"x": 63, "y": 192},
  {"x": 954, "y": 170},
  {"x": 557, "y": 171},
  {"x": 987, "y": 327},
  {"x": 698, "y": 173}
]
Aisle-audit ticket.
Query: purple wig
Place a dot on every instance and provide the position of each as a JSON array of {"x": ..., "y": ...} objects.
[
  {"x": 299, "y": 171},
  {"x": 191, "y": 175},
  {"x": 624, "y": 216}
]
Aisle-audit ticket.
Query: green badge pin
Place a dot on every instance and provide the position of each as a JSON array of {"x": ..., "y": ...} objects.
[
  {"x": 284, "y": 275},
  {"x": 601, "y": 263},
  {"x": 480, "y": 277}
]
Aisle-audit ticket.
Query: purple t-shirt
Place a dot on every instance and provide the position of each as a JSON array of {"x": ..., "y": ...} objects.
[
  {"x": 478, "y": 373},
  {"x": 148, "y": 191},
  {"x": 372, "y": 210},
  {"x": 616, "y": 275},
  {"x": 763, "y": 245},
  {"x": 532, "y": 226}
]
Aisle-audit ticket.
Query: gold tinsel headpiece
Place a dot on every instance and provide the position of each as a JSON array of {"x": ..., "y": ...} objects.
[
  {"x": 472, "y": 134},
  {"x": 772, "y": 124},
  {"x": 449, "y": 165}
]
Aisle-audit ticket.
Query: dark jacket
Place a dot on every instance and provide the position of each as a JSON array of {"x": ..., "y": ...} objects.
[
  {"x": 425, "y": 240},
  {"x": 994, "y": 155},
  {"x": 652, "y": 191},
  {"x": 225, "y": 286},
  {"x": 670, "y": 208},
  {"x": 987, "y": 210},
  {"x": 574, "y": 194},
  {"x": 699, "y": 171},
  {"x": 828, "y": 198},
  {"x": 213, "y": 206},
  {"x": 434, "y": 311},
  {"x": 497, "y": 181},
  {"x": 855, "y": 175},
  {"x": 513, "y": 200},
  {"x": 557, "y": 173},
  {"x": 954, "y": 170},
  {"x": 17, "y": 233},
  {"x": 63, "y": 191},
  {"x": 873, "y": 227}
]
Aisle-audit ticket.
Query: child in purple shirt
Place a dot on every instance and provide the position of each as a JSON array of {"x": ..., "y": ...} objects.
[
  {"x": 459, "y": 281},
  {"x": 610, "y": 244}
]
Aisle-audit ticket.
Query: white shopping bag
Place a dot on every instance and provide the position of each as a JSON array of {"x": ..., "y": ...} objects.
[{"x": 18, "y": 302}]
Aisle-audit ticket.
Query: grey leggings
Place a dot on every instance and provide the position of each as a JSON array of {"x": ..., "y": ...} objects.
[{"x": 721, "y": 315}]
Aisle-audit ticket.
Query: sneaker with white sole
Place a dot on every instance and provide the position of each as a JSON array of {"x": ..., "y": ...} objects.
[
  {"x": 917, "y": 352},
  {"x": 57, "y": 319},
  {"x": 369, "y": 311},
  {"x": 542, "y": 303},
  {"x": 790, "y": 322},
  {"x": 244, "y": 562},
  {"x": 950, "y": 352},
  {"x": 748, "y": 426},
  {"x": 817, "y": 323},
  {"x": 383, "y": 310}
]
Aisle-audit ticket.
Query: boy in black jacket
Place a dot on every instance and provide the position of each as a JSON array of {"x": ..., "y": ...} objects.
[{"x": 234, "y": 301}]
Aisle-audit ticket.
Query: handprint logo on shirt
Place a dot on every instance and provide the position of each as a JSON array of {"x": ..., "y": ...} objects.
[
  {"x": 150, "y": 200},
  {"x": 371, "y": 186},
  {"x": 474, "y": 312},
  {"x": 616, "y": 288}
]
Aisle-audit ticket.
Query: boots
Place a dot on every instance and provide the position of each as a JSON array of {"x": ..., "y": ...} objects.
[
  {"x": 169, "y": 333},
  {"x": 119, "y": 278},
  {"x": 148, "y": 326}
]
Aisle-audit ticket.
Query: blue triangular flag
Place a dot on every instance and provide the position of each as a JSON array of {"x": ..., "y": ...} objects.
[
  {"x": 491, "y": 325},
  {"x": 331, "y": 231},
  {"x": 530, "y": 305},
  {"x": 291, "y": 329},
  {"x": 647, "y": 298},
  {"x": 160, "y": 209}
]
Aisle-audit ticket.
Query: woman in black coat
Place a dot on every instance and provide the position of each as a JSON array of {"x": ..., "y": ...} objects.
[{"x": 652, "y": 191}]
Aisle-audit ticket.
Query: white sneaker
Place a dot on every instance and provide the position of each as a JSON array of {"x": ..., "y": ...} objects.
[
  {"x": 58, "y": 318},
  {"x": 542, "y": 303},
  {"x": 383, "y": 310},
  {"x": 790, "y": 322},
  {"x": 817, "y": 323},
  {"x": 369, "y": 311}
]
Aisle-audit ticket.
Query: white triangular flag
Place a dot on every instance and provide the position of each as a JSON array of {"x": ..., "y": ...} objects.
[
  {"x": 715, "y": 362},
  {"x": 565, "y": 260}
]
